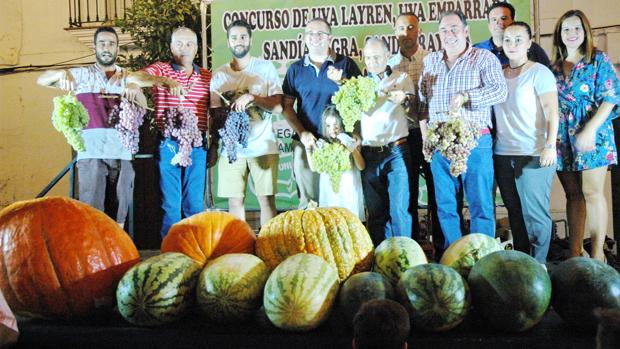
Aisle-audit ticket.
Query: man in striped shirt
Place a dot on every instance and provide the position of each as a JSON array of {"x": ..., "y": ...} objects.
[
  {"x": 105, "y": 172},
  {"x": 470, "y": 81},
  {"x": 180, "y": 83}
]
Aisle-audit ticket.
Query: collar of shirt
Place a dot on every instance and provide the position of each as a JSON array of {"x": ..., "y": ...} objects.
[
  {"x": 378, "y": 77},
  {"x": 105, "y": 84},
  {"x": 330, "y": 58},
  {"x": 499, "y": 53},
  {"x": 178, "y": 67},
  {"x": 463, "y": 55}
]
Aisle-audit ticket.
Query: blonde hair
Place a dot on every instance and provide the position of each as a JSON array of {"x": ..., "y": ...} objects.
[
  {"x": 330, "y": 111},
  {"x": 559, "y": 52}
]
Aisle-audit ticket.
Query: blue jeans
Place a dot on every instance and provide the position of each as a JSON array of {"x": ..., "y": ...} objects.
[
  {"x": 386, "y": 183},
  {"x": 182, "y": 188},
  {"x": 526, "y": 191},
  {"x": 478, "y": 185}
]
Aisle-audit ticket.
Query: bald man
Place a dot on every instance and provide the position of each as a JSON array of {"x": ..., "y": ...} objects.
[{"x": 386, "y": 178}]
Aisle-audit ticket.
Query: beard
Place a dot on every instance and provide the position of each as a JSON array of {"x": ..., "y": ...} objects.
[
  {"x": 105, "y": 60},
  {"x": 242, "y": 53}
]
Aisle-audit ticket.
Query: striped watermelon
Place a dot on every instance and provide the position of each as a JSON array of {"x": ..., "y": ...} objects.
[
  {"x": 436, "y": 297},
  {"x": 230, "y": 287},
  {"x": 466, "y": 251},
  {"x": 300, "y": 292},
  {"x": 158, "y": 290},
  {"x": 395, "y": 255},
  {"x": 360, "y": 288}
]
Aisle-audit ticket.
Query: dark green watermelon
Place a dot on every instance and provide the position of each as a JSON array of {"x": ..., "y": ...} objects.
[
  {"x": 436, "y": 296},
  {"x": 360, "y": 288},
  {"x": 510, "y": 290},
  {"x": 582, "y": 284}
]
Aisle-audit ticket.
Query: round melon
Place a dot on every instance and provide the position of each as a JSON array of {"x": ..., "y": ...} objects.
[
  {"x": 360, "y": 288},
  {"x": 436, "y": 296},
  {"x": 466, "y": 251},
  {"x": 395, "y": 255},
  {"x": 230, "y": 288},
  {"x": 300, "y": 292},
  {"x": 582, "y": 284},
  {"x": 158, "y": 290},
  {"x": 510, "y": 290}
]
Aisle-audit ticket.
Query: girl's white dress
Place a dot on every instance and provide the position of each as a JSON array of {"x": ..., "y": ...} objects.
[{"x": 350, "y": 195}]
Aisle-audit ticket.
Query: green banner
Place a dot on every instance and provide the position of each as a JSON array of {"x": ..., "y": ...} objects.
[{"x": 278, "y": 37}]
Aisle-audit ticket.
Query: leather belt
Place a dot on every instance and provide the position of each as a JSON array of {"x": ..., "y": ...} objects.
[{"x": 389, "y": 146}]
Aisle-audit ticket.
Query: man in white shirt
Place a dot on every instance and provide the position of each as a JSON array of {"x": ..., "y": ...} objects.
[
  {"x": 257, "y": 87},
  {"x": 386, "y": 178}
]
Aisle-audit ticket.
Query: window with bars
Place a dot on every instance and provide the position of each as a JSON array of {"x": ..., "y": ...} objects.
[{"x": 89, "y": 13}]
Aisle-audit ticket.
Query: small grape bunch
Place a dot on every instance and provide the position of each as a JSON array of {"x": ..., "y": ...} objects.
[
  {"x": 127, "y": 119},
  {"x": 332, "y": 159},
  {"x": 236, "y": 130},
  {"x": 181, "y": 124},
  {"x": 70, "y": 117}
]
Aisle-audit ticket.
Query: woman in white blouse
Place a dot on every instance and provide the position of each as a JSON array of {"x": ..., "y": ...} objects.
[{"x": 524, "y": 153}]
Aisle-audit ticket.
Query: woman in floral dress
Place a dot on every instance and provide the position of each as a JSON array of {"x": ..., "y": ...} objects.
[{"x": 588, "y": 92}]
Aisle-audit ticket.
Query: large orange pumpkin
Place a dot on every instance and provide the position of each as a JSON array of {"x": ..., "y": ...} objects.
[
  {"x": 333, "y": 233},
  {"x": 60, "y": 257},
  {"x": 208, "y": 235}
]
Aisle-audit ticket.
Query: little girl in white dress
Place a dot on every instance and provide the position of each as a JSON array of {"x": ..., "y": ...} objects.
[{"x": 350, "y": 195}]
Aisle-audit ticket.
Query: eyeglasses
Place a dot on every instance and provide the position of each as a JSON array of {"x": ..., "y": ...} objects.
[
  {"x": 318, "y": 35},
  {"x": 452, "y": 30}
]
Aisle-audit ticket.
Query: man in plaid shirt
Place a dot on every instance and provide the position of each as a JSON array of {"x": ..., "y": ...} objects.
[{"x": 460, "y": 77}]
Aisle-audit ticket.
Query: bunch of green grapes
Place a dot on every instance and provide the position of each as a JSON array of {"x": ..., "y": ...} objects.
[
  {"x": 454, "y": 139},
  {"x": 70, "y": 117},
  {"x": 355, "y": 96},
  {"x": 332, "y": 159}
]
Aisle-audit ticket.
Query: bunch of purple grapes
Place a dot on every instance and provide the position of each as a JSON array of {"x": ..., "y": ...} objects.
[
  {"x": 236, "y": 130},
  {"x": 182, "y": 125},
  {"x": 127, "y": 119},
  {"x": 454, "y": 139}
]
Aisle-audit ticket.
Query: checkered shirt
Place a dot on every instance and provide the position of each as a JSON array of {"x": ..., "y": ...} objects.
[
  {"x": 412, "y": 67},
  {"x": 477, "y": 72}
]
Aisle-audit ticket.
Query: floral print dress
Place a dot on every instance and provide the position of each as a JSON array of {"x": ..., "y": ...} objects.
[{"x": 580, "y": 94}]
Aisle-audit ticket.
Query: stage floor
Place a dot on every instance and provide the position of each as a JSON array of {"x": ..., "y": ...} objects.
[{"x": 193, "y": 332}]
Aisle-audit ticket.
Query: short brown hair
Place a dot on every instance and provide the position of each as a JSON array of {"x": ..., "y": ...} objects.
[
  {"x": 381, "y": 323},
  {"x": 559, "y": 53}
]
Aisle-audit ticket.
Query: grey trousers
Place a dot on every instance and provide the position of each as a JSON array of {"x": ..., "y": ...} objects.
[
  {"x": 307, "y": 181},
  {"x": 107, "y": 185},
  {"x": 526, "y": 191}
]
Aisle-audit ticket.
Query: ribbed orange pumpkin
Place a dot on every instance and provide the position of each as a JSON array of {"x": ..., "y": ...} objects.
[
  {"x": 60, "y": 257},
  {"x": 208, "y": 235},
  {"x": 333, "y": 233}
]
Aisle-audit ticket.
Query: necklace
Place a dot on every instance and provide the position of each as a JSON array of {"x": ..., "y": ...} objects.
[{"x": 517, "y": 67}]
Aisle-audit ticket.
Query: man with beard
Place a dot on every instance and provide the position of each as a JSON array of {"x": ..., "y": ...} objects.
[
  {"x": 105, "y": 172},
  {"x": 500, "y": 15},
  {"x": 186, "y": 87},
  {"x": 311, "y": 82},
  {"x": 467, "y": 81},
  {"x": 255, "y": 84},
  {"x": 409, "y": 61}
]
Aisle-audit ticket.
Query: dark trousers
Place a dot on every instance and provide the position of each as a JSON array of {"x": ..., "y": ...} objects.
[{"x": 419, "y": 165}]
